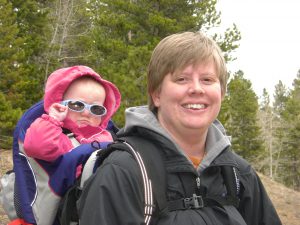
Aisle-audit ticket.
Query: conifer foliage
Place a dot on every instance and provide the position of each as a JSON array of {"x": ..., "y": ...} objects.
[
  {"x": 291, "y": 145},
  {"x": 239, "y": 116},
  {"x": 11, "y": 55},
  {"x": 280, "y": 125},
  {"x": 116, "y": 39},
  {"x": 126, "y": 32}
]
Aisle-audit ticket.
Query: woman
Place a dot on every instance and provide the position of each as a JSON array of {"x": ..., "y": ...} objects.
[{"x": 186, "y": 85}]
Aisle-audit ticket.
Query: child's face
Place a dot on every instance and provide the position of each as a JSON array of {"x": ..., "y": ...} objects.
[{"x": 90, "y": 92}]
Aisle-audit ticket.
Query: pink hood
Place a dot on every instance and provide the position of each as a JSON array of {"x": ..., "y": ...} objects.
[{"x": 60, "y": 80}]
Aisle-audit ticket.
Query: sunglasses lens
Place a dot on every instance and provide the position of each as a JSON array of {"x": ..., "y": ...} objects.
[
  {"x": 98, "y": 110},
  {"x": 76, "y": 106}
]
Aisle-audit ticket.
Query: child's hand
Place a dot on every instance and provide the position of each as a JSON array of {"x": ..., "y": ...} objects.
[{"x": 58, "y": 111}]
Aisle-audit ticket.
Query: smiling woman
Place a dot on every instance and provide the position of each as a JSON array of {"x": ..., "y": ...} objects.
[
  {"x": 188, "y": 103},
  {"x": 186, "y": 83}
]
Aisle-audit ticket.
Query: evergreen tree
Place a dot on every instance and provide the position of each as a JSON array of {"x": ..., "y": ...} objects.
[
  {"x": 31, "y": 20},
  {"x": 11, "y": 57},
  {"x": 115, "y": 38},
  {"x": 266, "y": 123},
  {"x": 11, "y": 53},
  {"x": 291, "y": 146},
  {"x": 126, "y": 32},
  {"x": 8, "y": 120},
  {"x": 242, "y": 124},
  {"x": 22, "y": 44},
  {"x": 281, "y": 96}
]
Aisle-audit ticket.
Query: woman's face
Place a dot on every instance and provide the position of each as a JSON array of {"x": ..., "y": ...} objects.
[{"x": 190, "y": 100}]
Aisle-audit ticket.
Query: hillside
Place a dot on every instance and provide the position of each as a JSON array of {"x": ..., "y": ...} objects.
[{"x": 286, "y": 201}]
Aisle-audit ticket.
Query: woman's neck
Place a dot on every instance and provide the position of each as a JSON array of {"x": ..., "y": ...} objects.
[{"x": 193, "y": 144}]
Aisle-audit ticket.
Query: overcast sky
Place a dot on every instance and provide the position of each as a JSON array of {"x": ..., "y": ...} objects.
[{"x": 270, "y": 47}]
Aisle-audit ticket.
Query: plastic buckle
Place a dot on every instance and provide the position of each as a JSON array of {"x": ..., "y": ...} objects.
[{"x": 195, "y": 202}]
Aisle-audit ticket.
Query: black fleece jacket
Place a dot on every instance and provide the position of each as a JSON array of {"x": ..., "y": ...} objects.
[{"x": 114, "y": 195}]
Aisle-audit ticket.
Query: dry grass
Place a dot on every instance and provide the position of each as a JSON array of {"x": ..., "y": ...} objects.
[{"x": 286, "y": 201}]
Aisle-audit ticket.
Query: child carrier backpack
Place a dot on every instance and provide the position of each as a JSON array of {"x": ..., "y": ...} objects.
[
  {"x": 152, "y": 168},
  {"x": 21, "y": 199}
]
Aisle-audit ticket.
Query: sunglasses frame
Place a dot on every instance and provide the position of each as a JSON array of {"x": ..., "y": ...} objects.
[{"x": 86, "y": 106}]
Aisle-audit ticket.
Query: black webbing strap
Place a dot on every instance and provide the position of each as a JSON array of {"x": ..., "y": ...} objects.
[
  {"x": 194, "y": 202},
  {"x": 155, "y": 168},
  {"x": 230, "y": 180},
  {"x": 154, "y": 163},
  {"x": 198, "y": 202},
  {"x": 232, "y": 184},
  {"x": 67, "y": 211}
]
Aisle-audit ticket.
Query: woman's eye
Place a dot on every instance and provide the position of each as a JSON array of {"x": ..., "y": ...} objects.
[
  {"x": 208, "y": 80},
  {"x": 180, "y": 79}
]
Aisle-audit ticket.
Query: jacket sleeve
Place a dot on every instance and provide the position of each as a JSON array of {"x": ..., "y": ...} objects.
[
  {"x": 255, "y": 204},
  {"x": 114, "y": 194},
  {"x": 45, "y": 140}
]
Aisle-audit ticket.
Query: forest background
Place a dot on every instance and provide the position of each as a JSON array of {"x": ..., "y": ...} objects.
[{"x": 116, "y": 38}]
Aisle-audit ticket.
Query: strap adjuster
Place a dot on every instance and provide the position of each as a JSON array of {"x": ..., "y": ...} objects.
[{"x": 195, "y": 202}]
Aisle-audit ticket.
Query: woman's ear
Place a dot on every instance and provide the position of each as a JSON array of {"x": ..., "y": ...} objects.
[{"x": 156, "y": 98}]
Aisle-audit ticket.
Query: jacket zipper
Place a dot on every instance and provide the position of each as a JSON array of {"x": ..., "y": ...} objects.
[{"x": 198, "y": 182}]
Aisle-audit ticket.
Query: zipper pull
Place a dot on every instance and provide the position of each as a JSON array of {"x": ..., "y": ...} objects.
[{"x": 198, "y": 182}]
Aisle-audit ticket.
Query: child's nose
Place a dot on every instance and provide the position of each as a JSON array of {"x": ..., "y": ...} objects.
[{"x": 86, "y": 112}]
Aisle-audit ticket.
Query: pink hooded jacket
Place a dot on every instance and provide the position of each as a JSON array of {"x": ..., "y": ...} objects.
[{"x": 45, "y": 138}]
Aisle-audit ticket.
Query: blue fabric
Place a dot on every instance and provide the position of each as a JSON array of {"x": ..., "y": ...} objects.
[
  {"x": 24, "y": 184},
  {"x": 62, "y": 172}
]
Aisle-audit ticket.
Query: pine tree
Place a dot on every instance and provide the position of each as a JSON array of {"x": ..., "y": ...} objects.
[
  {"x": 126, "y": 32},
  {"x": 115, "y": 38},
  {"x": 32, "y": 22},
  {"x": 281, "y": 97},
  {"x": 242, "y": 124},
  {"x": 267, "y": 128},
  {"x": 291, "y": 147},
  {"x": 8, "y": 120},
  {"x": 11, "y": 57},
  {"x": 11, "y": 53}
]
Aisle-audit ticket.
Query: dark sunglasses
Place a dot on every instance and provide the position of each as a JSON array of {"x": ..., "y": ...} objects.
[{"x": 79, "y": 106}]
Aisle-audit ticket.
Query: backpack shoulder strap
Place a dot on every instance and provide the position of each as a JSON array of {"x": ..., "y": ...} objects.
[
  {"x": 231, "y": 180},
  {"x": 154, "y": 163},
  {"x": 232, "y": 184},
  {"x": 151, "y": 164}
]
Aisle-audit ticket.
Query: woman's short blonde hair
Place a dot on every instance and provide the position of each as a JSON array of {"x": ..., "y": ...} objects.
[{"x": 176, "y": 52}]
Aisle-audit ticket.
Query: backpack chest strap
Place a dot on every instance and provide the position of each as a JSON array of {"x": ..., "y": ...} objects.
[
  {"x": 196, "y": 196},
  {"x": 198, "y": 202}
]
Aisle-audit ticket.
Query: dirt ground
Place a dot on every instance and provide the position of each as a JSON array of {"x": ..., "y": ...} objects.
[{"x": 286, "y": 201}]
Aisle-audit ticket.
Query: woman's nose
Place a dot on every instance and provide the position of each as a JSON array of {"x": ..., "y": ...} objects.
[{"x": 196, "y": 87}]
